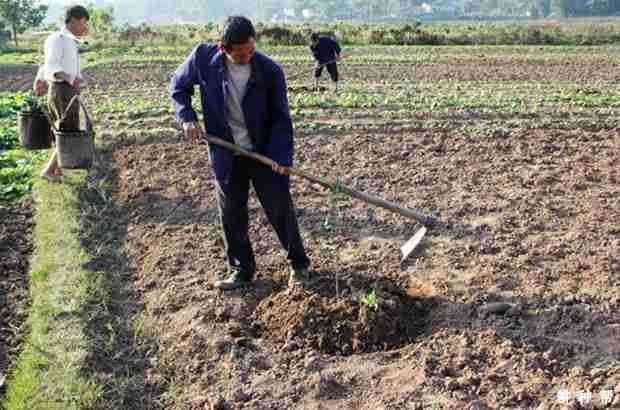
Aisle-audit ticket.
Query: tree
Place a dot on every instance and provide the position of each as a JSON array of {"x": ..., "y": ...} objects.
[
  {"x": 101, "y": 18},
  {"x": 22, "y": 15},
  {"x": 599, "y": 7},
  {"x": 545, "y": 8},
  {"x": 533, "y": 9},
  {"x": 3, "y": 34},
  {"x": 560, "y": 7}
]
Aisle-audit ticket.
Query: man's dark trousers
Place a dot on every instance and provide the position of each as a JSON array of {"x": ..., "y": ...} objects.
[
  {"x": 275, "y": 196},
  {"x": 332, "y": 69}
]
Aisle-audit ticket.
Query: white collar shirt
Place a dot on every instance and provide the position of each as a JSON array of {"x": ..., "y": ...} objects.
[{"x": 61, "y": 55}]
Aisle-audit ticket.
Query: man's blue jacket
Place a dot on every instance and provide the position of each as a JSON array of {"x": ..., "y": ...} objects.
[
  {"x": 265, "y": 105},
  {"x": 325, "y": 50}
]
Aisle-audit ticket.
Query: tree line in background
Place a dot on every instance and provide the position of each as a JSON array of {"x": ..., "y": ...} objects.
[
  {"x": 198, "y": 11},
  {"x": 162, "y": 11},
  {"x": 377, "y": 9},
  {"x": 18, "y": 15}
]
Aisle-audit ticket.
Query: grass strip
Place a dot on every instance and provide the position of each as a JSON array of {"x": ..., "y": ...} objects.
[
  {"x": 121, "y": 340},
  {"x": 48, "y": 374}
]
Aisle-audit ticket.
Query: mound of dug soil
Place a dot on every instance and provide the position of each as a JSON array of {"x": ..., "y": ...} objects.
[{"x": 341, "y": 324}]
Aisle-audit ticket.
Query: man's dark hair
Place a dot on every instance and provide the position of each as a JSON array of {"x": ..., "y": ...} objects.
[
  {"x": 237, "y": 30},
  {"x": 314, "y": 37},
  {"x": 76, "y": 12}
]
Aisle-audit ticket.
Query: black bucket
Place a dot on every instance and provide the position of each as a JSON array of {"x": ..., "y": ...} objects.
[
  {"x": 34, "y": 130},
  {"x": 76, "y": 149}
]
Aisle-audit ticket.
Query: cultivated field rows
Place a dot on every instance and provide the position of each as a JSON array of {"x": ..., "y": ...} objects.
[{"x": 513, "y": 298}]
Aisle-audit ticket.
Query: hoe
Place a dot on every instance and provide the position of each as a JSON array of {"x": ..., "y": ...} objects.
[{"x": 406, "y": 249}]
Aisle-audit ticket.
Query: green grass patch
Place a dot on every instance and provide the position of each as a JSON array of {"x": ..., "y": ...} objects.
[
  {"x": 48, "y": 374},
  {"x": 584, "y": 97},
  {"x": 82, "y": 302},
  {"x": 118, "y": 329},
  {"x": 19, "y": 55}
]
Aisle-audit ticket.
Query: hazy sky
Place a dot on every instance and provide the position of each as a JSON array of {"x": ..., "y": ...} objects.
[{"x": 70, "y": 2}]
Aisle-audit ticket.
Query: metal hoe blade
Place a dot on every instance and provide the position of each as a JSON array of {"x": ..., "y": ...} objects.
[{"x": 412, "y": 243}]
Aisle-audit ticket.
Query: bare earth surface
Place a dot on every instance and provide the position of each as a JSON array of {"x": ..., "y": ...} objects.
[
  {"x": 513, "y": 299},
  {"x": 512, "y": 235},
  {"x": 15, "y": 250}
]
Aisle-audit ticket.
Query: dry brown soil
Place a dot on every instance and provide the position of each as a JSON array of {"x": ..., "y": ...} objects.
[
  {"x": 15, "y": 249},
  {"x": 513, "y": 298}
]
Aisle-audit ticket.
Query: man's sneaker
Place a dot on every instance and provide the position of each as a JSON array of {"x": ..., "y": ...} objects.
[
  {"x": 235, "y": 280},
  {"x": 299, "y": 276}
]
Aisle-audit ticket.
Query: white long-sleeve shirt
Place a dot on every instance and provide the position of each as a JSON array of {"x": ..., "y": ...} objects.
[{"x": 61, "y": 55}]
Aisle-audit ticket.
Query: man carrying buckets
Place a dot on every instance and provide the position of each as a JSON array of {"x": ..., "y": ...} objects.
[{"x": 61, "y": 71}]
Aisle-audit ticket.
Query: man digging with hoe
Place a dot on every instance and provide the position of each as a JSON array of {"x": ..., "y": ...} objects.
[{"x": 244, "y": 101}]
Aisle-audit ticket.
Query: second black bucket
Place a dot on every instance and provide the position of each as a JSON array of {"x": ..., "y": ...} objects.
[{"x": 34, "y": 130}]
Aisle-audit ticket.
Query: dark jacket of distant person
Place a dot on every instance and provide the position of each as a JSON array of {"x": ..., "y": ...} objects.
[{"x": 325, "y": 49}]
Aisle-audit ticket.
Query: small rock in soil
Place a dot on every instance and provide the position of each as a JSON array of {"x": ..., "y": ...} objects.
[
  {"x": 239, "y": 396},
  {"x": 503, "y": 367},
  {"x": 451, "y": 384},
  {"x": 235, "y": 329},
  {"x": 314, "y": 363},
  {"x": 569, "y": 300},
  {"x": 222, "y": 345},
  {"x": 514, "y": 311},
  {"x": 244, "y": 342},
  {"x": 217, "y": 403},
  {"x": 326, "y": 387},
  {"x": 497, "y": 308},
  {"x": 290, "y": 346},
  {"x": 478, "y": 405}
]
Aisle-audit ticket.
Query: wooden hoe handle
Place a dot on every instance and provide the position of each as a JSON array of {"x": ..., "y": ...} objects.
[{"x": 424, "y": 219}]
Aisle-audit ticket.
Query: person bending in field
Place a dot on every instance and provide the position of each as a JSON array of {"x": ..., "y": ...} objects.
[
  {"x": 244, "y": 101},
  {"x": 61, "y": 71},
  {"x": 326, "y": 52}
]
